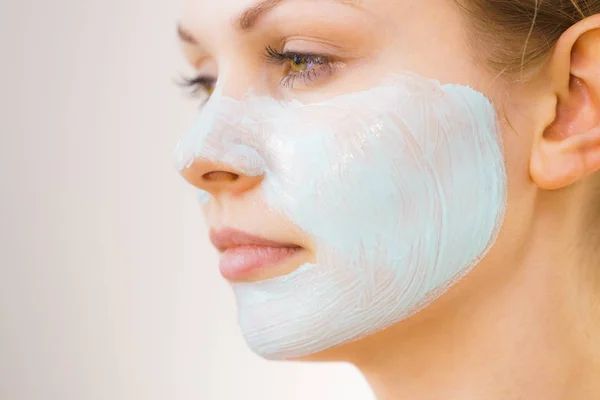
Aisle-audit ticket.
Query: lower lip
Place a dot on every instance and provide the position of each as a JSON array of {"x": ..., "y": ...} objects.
[{"x": 240, "y": 262}]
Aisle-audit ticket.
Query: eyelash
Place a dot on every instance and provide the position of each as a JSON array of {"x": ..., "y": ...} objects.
[
  {"x": 198, "y": 83},
  {"x": 324, "y": 65}
]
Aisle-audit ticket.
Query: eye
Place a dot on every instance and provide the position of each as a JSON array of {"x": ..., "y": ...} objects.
[
  {"x": 301, "y": 66},
  {"x": 200, "y": 86},
  {"x": 298, "y": 63}
]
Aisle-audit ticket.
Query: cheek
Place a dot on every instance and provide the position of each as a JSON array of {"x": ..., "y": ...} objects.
[
  {"x": 516, "y": 110},
  {"x": 418, "y": 173},
  {"x": 521, "y": 195},
  {"x": 518, "y": 131},
  {"x": 517, "y": 154}
]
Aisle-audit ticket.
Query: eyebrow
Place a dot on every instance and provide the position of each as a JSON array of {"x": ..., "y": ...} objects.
[{"x": 248, "y": 17}]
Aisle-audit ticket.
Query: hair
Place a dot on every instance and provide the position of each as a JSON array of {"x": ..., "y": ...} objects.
[
  {"x": 515, "y": 38},
  {"x": 518, "y": 35}
]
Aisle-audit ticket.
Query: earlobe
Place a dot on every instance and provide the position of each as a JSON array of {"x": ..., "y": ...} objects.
[{"x": 569, "y": 147}]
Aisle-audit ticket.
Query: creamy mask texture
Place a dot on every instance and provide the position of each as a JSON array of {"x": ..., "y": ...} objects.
[{"x": 401, "y": 188}]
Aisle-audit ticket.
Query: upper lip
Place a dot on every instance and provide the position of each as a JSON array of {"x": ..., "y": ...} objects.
[{"x": 226, "y": 238}]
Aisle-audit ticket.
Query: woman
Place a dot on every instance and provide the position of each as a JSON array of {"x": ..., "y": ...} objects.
[{"x": 407, "y": 186}]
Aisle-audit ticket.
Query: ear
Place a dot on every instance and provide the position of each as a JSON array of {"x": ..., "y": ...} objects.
[{"x": 568, "y": 149}]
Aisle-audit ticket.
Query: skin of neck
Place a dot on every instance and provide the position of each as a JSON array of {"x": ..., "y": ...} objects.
[{"x": 521, "y": 325}]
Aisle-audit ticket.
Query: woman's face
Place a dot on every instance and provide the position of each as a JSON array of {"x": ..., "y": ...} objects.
[{"x": 313, "y": 51}]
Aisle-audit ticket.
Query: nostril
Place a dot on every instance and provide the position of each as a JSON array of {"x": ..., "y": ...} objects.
[{"x": 220, "y": 176}]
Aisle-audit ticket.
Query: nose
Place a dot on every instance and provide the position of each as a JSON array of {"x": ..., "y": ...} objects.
[{"x": 218, "y": 178}]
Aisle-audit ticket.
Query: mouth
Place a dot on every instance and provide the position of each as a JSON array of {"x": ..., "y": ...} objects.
[{"x": 246, "y": 257}]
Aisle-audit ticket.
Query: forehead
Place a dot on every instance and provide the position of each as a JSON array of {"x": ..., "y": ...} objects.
[
  {"x": 230, "y": 7},
  {"x": 211, "y": 15}
]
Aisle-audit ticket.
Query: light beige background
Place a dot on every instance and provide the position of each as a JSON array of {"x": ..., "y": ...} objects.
[{"x": 109, "y": 289}]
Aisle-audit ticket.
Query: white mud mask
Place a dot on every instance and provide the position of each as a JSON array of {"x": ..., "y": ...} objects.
[{"x": 402, "y": 189}]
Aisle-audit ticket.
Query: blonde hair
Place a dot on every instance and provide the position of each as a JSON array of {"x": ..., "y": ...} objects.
[{"x": 517, "y": 35}]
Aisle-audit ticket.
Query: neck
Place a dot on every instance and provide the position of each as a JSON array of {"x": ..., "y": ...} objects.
[{"x": 529, "y": 332}]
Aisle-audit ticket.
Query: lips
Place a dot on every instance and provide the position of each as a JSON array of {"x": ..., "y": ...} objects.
[{"x": 243, "y": 254}]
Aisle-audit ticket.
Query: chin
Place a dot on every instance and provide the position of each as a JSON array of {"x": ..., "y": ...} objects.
[{"x": 345, "y": 352}]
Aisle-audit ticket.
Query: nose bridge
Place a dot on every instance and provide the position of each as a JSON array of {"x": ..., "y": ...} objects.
[
  {"x": 221, "y": 155},
  {"x": 236, "y": 79}
]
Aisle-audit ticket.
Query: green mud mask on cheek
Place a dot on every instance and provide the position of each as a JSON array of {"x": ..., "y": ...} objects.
[{"x": 401, "y": 187}]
